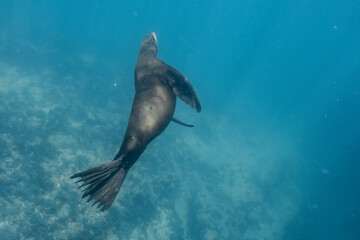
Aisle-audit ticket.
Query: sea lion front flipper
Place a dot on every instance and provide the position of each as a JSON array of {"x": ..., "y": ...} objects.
[
  {"x": 181, "y": 123},
  {"x": 182, "y": 87}
]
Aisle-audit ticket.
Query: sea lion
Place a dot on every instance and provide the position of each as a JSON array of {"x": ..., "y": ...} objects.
[{"x": 156, "y": 87}]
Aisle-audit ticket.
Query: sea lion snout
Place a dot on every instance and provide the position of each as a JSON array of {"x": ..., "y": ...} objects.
[{"x": 154, "y": 35}]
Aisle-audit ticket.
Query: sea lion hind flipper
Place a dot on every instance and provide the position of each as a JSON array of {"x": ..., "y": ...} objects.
[
  {"x": 181, "y": 123},
  {"x": 182, "y": 87},
  {"x": 102, "y": 183}
]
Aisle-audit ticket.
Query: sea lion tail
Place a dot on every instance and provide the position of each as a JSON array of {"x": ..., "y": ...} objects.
[{"x": 102, "y": 183}]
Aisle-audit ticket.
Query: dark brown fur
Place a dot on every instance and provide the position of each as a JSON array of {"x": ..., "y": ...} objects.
[{"x": 156, "y": 88}]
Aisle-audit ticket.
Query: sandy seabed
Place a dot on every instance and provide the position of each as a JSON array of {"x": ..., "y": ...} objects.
[{"x": 187, "y": 185}]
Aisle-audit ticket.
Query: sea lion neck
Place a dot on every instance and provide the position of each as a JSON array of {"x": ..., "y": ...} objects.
[{"x": 147, "y": 55}]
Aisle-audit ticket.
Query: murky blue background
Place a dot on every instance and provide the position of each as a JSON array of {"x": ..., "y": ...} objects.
[{"x": 275, "y": 153}]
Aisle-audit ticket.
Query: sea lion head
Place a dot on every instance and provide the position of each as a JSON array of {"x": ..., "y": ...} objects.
[{"x": 149, "y": 46}]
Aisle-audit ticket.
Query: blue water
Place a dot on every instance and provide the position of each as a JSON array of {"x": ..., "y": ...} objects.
[{"x": 275, "y": 153}]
